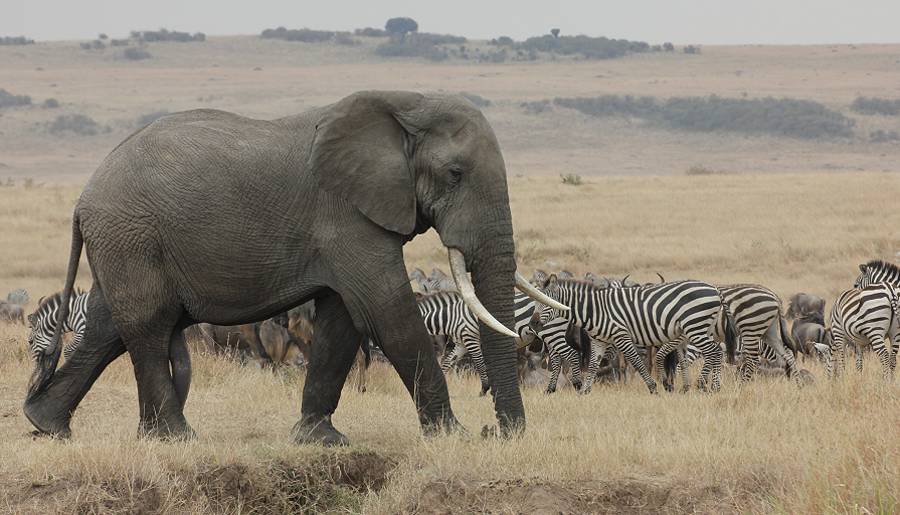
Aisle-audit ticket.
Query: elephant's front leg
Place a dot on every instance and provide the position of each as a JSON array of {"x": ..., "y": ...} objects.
[
  {"x": 386, "y": 307},
  {"x": 332, "y": 356}
]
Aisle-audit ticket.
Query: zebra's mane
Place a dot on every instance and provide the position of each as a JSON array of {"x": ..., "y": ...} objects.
[
  {"x": 878, "y": 264},
  {"x": 55, "y": 299}
]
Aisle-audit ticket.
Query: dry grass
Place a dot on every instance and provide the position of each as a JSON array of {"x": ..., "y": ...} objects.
[{"x": 759, "y": 448}]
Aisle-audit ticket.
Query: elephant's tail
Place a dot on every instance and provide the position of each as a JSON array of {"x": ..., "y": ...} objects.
[{"x": 46, "y": 363}]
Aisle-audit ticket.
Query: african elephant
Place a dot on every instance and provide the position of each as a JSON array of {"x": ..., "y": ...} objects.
[{"x": 311, "y": 206}]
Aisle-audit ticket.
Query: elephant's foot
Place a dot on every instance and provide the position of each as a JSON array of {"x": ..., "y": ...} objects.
[
  {"x": 446, "y": 425},
  {"x": 54, "y": 425},
  {"x": 312, "y": 429},
  {"x": 505, "y": 431},
  {"x": 174, "y": 429}
]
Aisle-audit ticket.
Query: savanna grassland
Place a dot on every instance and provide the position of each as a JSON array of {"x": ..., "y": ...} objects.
[{"x": 795, "y": 215}]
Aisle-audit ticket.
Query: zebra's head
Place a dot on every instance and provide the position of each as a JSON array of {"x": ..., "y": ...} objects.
[
  {"x": 551, "y": 288},
  {"x": 865, "y": 276}
]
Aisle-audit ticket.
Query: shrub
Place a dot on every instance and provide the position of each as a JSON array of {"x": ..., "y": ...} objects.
[
  {"x": 572, "y": 179},
  {"x": 148, "y": 118},
  {"x": 343, "y": 38},
  {"x": 51, "y": 103},
  {"x": 102, "y": 36},
  {"x": 136, "y": 54},
  {"x": 701, "y": 170},
  {"x": 589, "y": 47},
  {"x": 401, "y": 26},
  {"x": 874, "y": 105},
  {"x": 780, "y": 117},
  {"x": 167, "y": 35},
  {"x": 371, "y": 32},
  {"x": 75, "y": 123},
  {"x": 419, "y": 45},
  {"x": 503, "y": 41},
  {"x": 668, "y": 47},
  {"x": 302, "y": 35},
  {"x": 691, "y": 49},
  {"x": 7, "y": 99},
  {"x": 536, "y": 107},
  {"x": 554, "y": 33},
  {"x": 881, "y": 136},
  {"x": 478, "y": 100},
  {"x": 118, "y": 42},
  {"x": 497, "y": 56},
  {"x": 15, "y": 40}
]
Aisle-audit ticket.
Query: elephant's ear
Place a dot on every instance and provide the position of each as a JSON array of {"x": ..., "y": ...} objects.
[{"x": 362, "y": 154}]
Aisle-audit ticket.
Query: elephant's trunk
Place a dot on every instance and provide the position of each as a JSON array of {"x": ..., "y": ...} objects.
[{"x": 493, "y": 270}]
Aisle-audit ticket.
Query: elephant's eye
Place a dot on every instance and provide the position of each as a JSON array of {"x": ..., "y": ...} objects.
[{"x": 455, "y": 174}]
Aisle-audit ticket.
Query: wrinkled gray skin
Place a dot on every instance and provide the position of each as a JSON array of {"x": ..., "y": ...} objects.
[{"x": 207, "y": 216}]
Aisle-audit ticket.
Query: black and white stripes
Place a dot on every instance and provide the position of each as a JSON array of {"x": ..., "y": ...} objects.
[{"x": 43, "y": 322}]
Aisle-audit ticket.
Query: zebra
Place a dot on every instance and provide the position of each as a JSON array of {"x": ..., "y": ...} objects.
[
  {"x": 643, "y": 316},
  {"x": 865, "y": 315},
  {"x": 43, "y": 322},
  {"x": 877, "y": 271},
  {"x": 750, "y": 318},
  {"x": 445, "y": 313}
]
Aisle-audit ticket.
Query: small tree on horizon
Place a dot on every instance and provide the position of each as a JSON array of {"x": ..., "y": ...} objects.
[
  {"x": 555, "y": 32},
  {"x": 401, "y": 26}
]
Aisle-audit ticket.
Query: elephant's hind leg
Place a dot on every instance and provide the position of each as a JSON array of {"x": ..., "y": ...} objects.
[
  {"x": 332, "y": 356},
  {"x": 51, "y": 409}
]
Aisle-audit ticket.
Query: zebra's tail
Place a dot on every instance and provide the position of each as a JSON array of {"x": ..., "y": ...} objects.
[
  {"x": 732, "y": 335},
  {"x": 46, "y": 363},
  {"x": 787, "y": 337}
]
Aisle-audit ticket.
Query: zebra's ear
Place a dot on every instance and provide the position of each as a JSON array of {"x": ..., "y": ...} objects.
[{"x": 862, "y": 268}]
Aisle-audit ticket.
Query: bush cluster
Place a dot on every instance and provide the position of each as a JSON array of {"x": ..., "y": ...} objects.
[
  {"x": 536, "y": 107},
  {"x": 371, "y": 32},
  {"x": 478, "y": 100},
  {"x": 875, "y": 105},
  {"x": 7, "y": 99},
  {"x": 148, "y": 118},
  {"x": 775, "y": 116},
  {"x": 51, "y": 103},
  {"x": 419, "y": 44},
  {"x": 303, "y": 35},
  {"x": 15, "y": 40},
  {"x": 134, "y": 53},
  {"x": 92, "y": 45},
  {"x": 589, "y": 47},
  {"x": 881, "y": 136},
  {"x": 76, "y": 124},
  {"x": 167, "y": 35}
]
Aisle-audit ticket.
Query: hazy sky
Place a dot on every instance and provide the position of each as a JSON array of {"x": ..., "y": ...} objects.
[{"x": 654, "y": 21}]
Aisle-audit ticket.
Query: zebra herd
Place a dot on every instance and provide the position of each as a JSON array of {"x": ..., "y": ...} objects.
[{"x": 678, "y": 321}]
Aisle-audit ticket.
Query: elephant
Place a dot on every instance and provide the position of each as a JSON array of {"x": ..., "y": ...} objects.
[{"x": 315, "y": 206}]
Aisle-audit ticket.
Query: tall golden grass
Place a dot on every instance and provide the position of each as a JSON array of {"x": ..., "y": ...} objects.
[{"x": 761, "y": 447}]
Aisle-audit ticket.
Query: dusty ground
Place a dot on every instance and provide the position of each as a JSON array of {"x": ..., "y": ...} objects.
[{"x": 793, "y": 215}]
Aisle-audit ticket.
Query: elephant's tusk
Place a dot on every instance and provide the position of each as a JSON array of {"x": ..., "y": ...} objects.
[
  {"x": 529, "y": 289},
  {"x": 467, "y": 291}
]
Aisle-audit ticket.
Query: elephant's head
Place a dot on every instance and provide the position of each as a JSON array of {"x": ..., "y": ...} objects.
[{"x": 410, "y": 162}]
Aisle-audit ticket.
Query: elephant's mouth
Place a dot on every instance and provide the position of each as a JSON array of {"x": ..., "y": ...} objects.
[{"x": 467, "y": 292}]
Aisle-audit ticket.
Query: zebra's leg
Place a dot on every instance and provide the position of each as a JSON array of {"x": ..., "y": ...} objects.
[
  {"x": 574, "y": 359},
  {"x": 660, "y": 364},
  {"x": 712, "y": 362},
  {"x": 555, "y": 365},
  {"x": 777, "y": 345},
  {"x": 473, "y": 347},
  {"x": 50, "y": 409},
  {"x": 593, "y": 366},
  {"x": 835, "y": 365},
  {"x": 751, "y": 358},
  {"x": 626, "y": 346},
  {"x": 859, "y": 357},
  {"x": 452, "y": 357},
  {"x": 883, "y": 352},
  {"x": 684, "y": 363}
]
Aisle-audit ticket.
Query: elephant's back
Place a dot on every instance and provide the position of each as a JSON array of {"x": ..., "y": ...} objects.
[{"x": 198, "y": 156}]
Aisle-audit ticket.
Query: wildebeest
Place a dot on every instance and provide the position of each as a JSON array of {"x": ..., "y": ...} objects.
[
  {"x": 806, "y": 307},
  {"x": 12, "y": 312}
]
